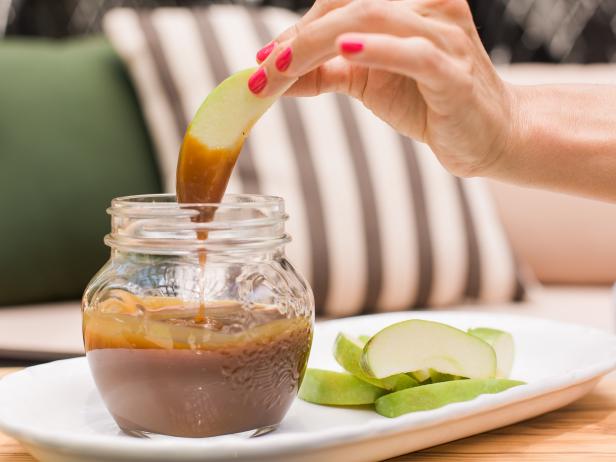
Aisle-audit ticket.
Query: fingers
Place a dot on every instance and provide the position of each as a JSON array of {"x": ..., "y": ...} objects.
[
  {"x": 333, "y": 76},
  {"x": 456, "y": 11},
  {"x": 318, "y": 9},
  {"x": 316, "y": 42},
  {"x": 441, "y": 78}
]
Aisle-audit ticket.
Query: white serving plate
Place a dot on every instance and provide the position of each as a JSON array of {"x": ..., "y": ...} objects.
[{"x": 56, "y": 413}]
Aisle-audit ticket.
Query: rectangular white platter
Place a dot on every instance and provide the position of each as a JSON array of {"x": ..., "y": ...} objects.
[{"x": 55, "y": 411}]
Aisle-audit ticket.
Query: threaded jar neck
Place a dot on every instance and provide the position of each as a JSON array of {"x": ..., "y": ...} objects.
[{"x": 157, "y": 224}]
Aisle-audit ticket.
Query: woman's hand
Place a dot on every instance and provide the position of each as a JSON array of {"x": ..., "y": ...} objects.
[{"x": 417, "y": 64}]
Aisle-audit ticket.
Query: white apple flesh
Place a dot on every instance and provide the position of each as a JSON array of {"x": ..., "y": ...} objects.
[
  {"x": 417, "y": 344},
  {"x": 228, "y": 113},
  {"x": 348, "y": 351},
  {"x": 502, "y": 342}
]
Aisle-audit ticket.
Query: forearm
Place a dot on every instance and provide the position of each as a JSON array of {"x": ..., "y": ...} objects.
[{"x": 564, "y": 139}]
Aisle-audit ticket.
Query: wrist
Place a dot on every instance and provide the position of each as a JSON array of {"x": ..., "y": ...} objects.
[{"x": 512, "y": 132}]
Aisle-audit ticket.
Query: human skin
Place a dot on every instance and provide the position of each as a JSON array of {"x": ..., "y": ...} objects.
[{"x": 420, "y": 66}]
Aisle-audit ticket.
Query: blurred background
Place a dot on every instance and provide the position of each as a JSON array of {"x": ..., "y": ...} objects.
[{"x": 568, "y": 31}]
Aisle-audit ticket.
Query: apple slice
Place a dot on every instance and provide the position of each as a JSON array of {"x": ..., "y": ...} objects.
[
  {"x": 348, "y": 351},
  {"x": 435, "y": 395},
  {"x": 337, "y": 388},
  {"x": 214, "y": 139},
  {"x": 417, "y": 344},
  {"x": 436, "y": 377},
  {"x": 502, "y": 342},
  {"x": 422, "y": 375},
  {"x": 228, "y": 113}
]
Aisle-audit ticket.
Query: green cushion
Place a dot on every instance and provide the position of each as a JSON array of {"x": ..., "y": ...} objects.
[{"x": 72, "y": 137}]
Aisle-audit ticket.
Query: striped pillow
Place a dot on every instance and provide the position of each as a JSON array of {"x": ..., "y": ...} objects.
[{"x": 378, "y": 224}]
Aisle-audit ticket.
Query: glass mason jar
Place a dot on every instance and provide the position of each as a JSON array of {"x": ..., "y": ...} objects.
[{"x": 197, "y": 328}]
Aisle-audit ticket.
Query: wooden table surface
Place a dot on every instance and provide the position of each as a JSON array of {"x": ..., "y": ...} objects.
[{"x": 582, "y": 431}]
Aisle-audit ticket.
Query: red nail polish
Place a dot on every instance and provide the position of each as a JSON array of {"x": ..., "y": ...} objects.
[
  {"x": 257, "y": 81},
  {"x": 264, "y": 52},
  {"x": 351, "y": 47},
  {"x": 284, "y": 59}
]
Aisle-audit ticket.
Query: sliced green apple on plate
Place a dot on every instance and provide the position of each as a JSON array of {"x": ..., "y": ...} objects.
[
  {"x": 435, "y": 395},
  {"x": 436, "y": 377},
  {"x": 502, "y": 342},
  {"x": 348, "y": 351},
  {"x": 418, "y": 344},
  {"x": 337, "y": 388},
  {"x": 421, "y": 375}
]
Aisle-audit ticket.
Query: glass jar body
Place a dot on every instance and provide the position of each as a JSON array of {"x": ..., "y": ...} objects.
[{"x": 199, "y": 342}]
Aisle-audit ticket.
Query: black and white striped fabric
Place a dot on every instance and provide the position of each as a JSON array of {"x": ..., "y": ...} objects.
[{"x": 377, "y": 223}]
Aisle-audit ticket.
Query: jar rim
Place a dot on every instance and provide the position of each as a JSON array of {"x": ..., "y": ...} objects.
[
  {"x": 169, "y": 200},
  {"x": 157, "y": 223}
]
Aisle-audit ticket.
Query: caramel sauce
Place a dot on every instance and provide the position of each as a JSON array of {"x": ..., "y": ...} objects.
[
  {"x": 158, "y": 370},
  {"x": 202, "y": 177},
  {"x": 124, "y": 320},
  {"x": 203, "y": 172}
]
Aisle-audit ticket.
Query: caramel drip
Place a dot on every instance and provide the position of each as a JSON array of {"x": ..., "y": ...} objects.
[{"x": 202, "y": 177}]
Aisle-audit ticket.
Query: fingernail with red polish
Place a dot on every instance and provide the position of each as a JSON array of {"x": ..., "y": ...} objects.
[
  {"x": 264, "y": 52},
  {"x": 257, "y": 81},
  {"x": 284, "y": 59},
  {"x": 351, "y": 46}
]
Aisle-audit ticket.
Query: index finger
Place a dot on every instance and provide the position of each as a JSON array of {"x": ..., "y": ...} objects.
[{"x": 319, "y": 8}]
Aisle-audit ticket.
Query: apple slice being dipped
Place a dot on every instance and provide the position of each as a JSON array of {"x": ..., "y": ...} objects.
[{"x": 215, "y": 138}]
